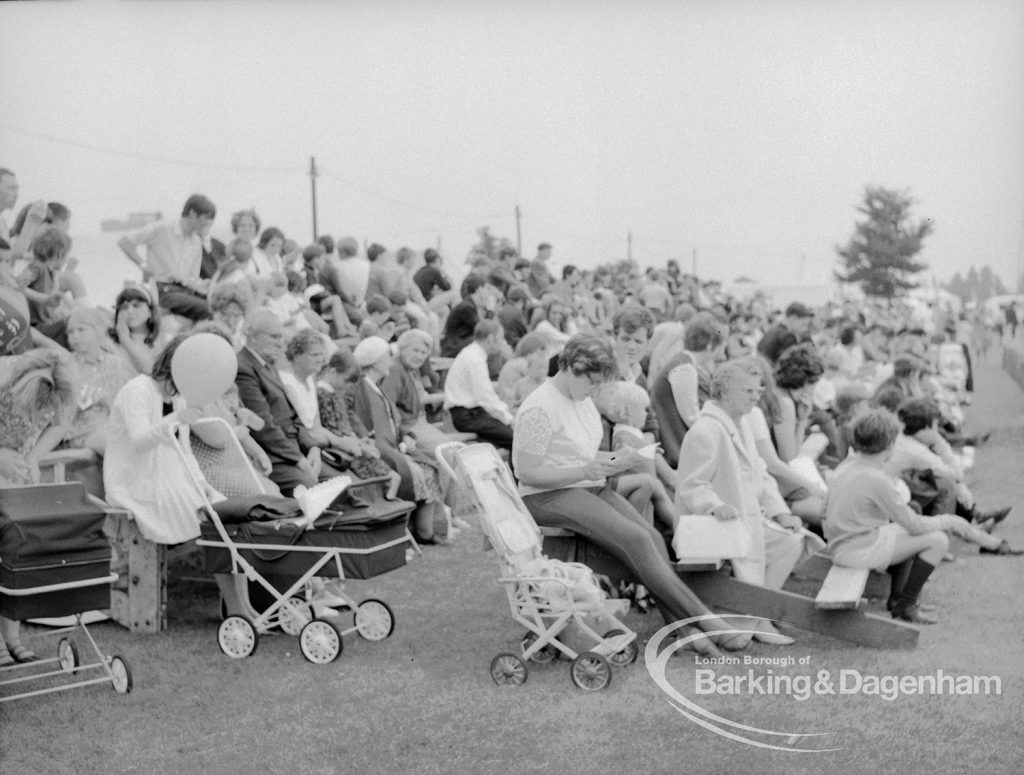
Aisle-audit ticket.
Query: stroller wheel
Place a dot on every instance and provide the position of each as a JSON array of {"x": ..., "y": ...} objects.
[
  {"x": 292, "y": 622},
  {"x": 508, "y": 669},
  {"x": 67, "y": 655},
  {"x": 590, "y": 672},
  {"x": 320, "y": 642},
  {"x": 121, "y": 675},
  {"x": 374, "y": 619},
  {"x": 626, "y": 655},
  {"x": 237, "y": 637},
  {"x": 543, "y": 655}
]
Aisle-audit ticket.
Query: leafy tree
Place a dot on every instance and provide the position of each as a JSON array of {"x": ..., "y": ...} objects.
[
  {"x": 488, "y": 245},
  {"x": 880, "y": 255}
]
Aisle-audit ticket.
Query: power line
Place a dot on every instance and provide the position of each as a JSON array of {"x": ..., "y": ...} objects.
[
  {"x": 148, "y": 157},
  {"x": 404, "y": 203}
]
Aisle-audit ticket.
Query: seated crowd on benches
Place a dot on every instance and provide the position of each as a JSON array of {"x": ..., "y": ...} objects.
[{"x": 622, "y": 399}]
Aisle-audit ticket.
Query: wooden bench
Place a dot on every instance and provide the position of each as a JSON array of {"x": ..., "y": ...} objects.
[
  {"x": 842, "y": 589},
  {"x": 720, "y": 591}
]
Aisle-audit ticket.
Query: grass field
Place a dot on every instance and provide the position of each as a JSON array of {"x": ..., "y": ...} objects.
[{"x": 422, "y": 701}]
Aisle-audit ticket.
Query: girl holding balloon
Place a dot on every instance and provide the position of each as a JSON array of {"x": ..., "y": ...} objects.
[{"x": 149, "y": 467}]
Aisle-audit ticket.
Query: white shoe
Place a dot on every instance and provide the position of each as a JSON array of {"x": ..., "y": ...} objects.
[
  {"x": 324, "y": 612},
  {"x": 460, "y": 523},
  {"x": 772, "y": 637}
]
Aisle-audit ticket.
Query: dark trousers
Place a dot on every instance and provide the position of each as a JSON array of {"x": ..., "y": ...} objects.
[
  {"x": 179, "y": 300},
  {"x": 487, "y": 428},
  {"x": 288, "y": 476}
]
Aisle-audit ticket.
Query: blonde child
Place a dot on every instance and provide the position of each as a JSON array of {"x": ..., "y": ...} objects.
[{"x": 624, "y": 406}]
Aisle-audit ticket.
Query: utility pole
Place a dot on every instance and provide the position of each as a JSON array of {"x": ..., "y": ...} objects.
[
  {"x": 629, "y": 246},
  {"x": 519, "y": 233},
  {"x": 312, "y": 182},
  {"x": 693, "y": 263}
]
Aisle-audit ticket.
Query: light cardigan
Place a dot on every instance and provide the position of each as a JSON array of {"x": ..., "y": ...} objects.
[{"x": 718, "y": 465}]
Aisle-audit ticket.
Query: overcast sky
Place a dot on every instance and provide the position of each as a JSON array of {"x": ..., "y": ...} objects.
[{"x": 744, "y": 131}]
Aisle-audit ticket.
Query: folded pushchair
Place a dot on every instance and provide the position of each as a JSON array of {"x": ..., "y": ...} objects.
[
  {"x": 279, "y": 558},
  {"x": 55, "y": 562},
  {"x": 560, "y": 604}
]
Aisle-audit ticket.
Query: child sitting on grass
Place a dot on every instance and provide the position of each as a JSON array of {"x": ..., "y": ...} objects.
[
  {"x": 623, "y": 405},
  {"x": 870, "y": 525}
]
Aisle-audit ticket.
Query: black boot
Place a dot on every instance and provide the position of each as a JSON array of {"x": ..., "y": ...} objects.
[
  {"x": 897, "y": 579},
  {"x": 905, "y": 606}
]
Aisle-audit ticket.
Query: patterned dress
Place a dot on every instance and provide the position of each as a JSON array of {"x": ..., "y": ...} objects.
[
  {"x": 99, "y": 380},
  {"x": 338, "y": 416},
  {"x": 20, "y": 429}
]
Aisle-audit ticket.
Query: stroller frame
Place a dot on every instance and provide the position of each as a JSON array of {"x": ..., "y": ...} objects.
[
  {"x": 320, "y": 639},
  {"x": 115, "y": 669},
  {"x": 543, "y": 604}
]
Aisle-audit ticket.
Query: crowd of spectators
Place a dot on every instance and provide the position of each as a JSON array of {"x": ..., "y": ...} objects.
[{"x": 622, "y": 398}]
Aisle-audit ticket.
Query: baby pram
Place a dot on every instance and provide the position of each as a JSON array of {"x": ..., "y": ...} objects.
[
  {"x": 552, "y": 599},
  {"x": 281, "y": 557},
  {"x": 54, "y": 562}
]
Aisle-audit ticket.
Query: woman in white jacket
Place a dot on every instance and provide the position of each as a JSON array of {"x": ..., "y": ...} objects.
[{"x": 721, "y": 473}]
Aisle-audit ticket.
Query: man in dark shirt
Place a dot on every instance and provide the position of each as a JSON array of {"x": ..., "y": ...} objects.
[
  {"x": 478, "y": 297},
  {"x": 429, "y": 278},
  {"x": 512, "y": 315}
]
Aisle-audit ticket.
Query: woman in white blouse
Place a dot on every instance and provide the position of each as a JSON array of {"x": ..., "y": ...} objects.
[{"x": 563, "y": 479}]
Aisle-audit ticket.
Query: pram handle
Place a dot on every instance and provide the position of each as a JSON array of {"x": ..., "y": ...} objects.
[{"x": 442, "y": 461}]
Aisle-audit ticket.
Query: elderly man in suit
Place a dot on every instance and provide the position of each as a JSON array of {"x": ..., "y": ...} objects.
[{"x": 283, "y": 437}]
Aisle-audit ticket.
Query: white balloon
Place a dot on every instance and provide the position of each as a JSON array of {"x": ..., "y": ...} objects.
[{"x": 203, "y": 368}]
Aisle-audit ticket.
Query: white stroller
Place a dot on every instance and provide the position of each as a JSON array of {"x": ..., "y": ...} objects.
[{"x": 552, "y": 599}]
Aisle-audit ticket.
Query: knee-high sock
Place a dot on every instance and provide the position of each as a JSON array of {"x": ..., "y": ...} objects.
[
  {"x": 919, "y": 573},
  {"x": 898, "y": 577}
]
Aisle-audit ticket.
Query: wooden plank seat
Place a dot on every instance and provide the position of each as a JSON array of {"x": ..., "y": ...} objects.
[
  {"x": 843, "y": 588},
  {"x": 720, "y": 591},
  {"x": 813, "y": 571}
]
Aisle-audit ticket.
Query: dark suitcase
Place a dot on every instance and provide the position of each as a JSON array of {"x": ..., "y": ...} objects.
[
  {"x": 377, "y": 531},
  {"x": 51, "y": 535}
]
